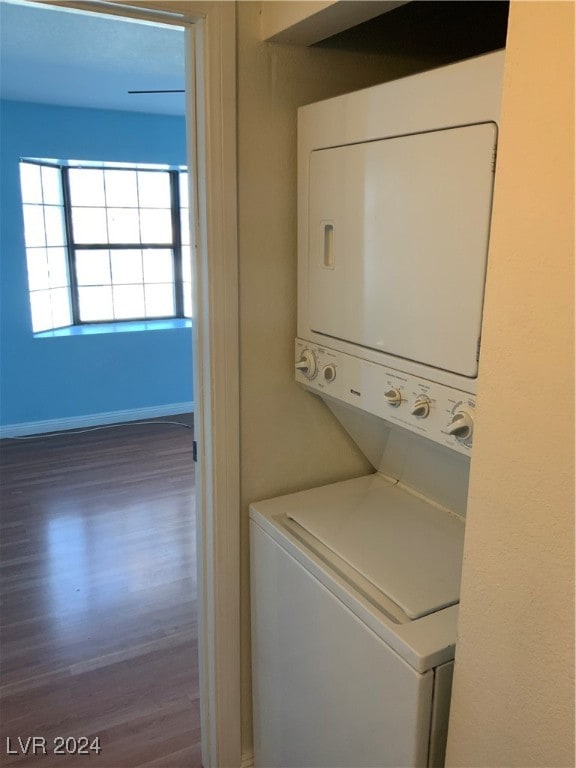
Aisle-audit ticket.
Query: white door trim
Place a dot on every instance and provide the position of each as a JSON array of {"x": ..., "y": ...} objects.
[
  {"x": 216, "y": 385},
  {"x": 211, "y": 125}
]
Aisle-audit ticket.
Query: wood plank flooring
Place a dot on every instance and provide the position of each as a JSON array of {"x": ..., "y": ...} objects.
[{"x": 98, "y": 615}]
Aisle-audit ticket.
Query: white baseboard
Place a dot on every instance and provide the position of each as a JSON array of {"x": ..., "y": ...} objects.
[
  {"x": 247, "y": 760},
  {"x": 93, "y": 420}
]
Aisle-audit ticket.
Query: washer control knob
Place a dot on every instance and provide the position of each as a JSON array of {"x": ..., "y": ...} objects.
[
  {"x": 329, "y": 373},
  {"x": 307, "y": 364},
  {"x": 393, "y": 397},
  {"x": 421, "y": 407},
  {"x": 462, "y": 425}
]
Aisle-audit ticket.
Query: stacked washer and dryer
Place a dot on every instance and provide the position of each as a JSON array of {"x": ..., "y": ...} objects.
[{"x": 355, "y": 585}]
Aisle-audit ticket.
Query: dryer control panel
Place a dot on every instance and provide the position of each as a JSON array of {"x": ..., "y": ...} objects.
[{"x": 433, "y": 410}]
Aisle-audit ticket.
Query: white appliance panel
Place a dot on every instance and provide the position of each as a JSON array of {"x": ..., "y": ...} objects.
[
  {"x": 363, "y": 385},
  {"x": 398, "y": 241},
  {"x": 334, "y": 695},
  {"x": 407, "y": 548}
]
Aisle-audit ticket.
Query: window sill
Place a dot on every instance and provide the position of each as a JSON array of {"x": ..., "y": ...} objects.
[{"x": 130, "y": 326}]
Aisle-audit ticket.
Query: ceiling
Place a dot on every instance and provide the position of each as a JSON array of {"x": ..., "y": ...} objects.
[{"x": 71, "y": 58}]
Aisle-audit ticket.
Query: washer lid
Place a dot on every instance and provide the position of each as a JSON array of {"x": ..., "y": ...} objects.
[{"x": 407, "y": 548}]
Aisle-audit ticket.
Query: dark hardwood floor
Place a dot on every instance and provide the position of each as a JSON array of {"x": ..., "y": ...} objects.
[{"x": 98, "y": 599}]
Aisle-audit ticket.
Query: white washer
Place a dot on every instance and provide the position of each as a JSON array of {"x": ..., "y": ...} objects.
[{"x": 354, "y": 606}]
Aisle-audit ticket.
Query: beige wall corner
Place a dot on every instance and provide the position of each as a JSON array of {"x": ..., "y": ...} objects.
[{"x": 513, "y": 698}]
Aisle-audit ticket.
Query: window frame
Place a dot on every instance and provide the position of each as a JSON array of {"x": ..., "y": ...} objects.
[{"x": 175, "y": 246}]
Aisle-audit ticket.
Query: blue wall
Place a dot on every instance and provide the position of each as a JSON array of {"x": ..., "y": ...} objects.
[{"x": 66, "y": 377}]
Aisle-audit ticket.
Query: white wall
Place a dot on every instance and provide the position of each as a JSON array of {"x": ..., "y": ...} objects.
[{"x": 513, "y": 700}]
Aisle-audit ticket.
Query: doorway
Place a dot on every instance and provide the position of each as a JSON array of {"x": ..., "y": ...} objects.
[{"x": 212, "y": 30}]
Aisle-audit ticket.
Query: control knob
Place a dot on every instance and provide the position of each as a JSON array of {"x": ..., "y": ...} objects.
[
  {"x": 462, "y": 425},
  {"x": 329, "y": 373},
  {"x": 393, "y": 397},
  {"x": 421, "y": 407},
  {"x": 307, "y": 364}
]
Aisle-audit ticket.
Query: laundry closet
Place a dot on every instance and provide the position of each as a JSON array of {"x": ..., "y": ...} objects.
[{"x": 355, "y": 585}]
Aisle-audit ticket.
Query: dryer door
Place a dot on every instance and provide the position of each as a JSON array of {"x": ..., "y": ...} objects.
[{"x": 398, "y": 242}]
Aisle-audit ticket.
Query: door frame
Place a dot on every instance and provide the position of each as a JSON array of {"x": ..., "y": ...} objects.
[
  {"x": 216, "y": 385},
  {"x": 211, "y": 144}
]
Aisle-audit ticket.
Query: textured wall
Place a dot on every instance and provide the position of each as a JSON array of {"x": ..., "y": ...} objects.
[{"x": 513, "y": 702}]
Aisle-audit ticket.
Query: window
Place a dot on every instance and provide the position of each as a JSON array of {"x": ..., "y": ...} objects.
[{"x": 105, "y": 243}]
